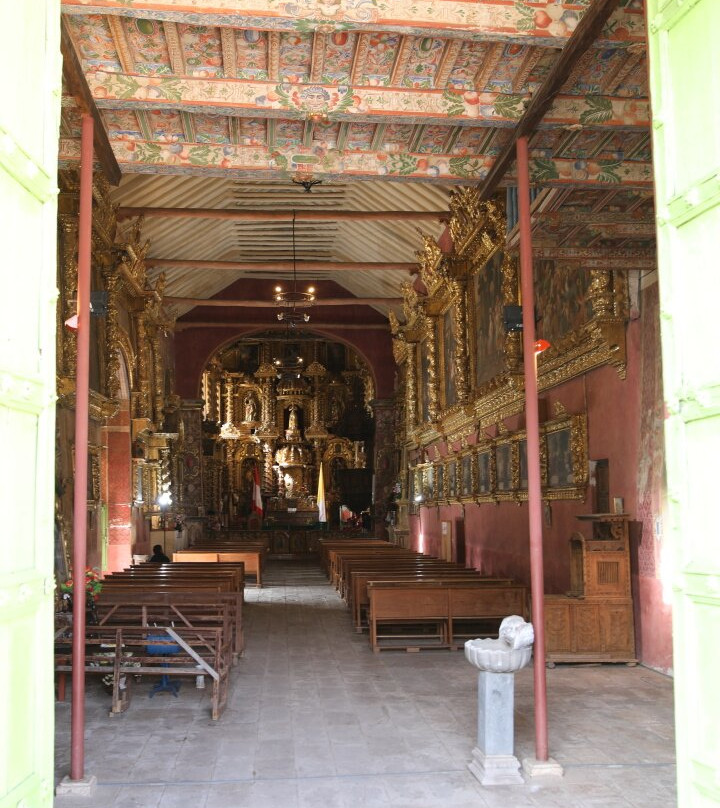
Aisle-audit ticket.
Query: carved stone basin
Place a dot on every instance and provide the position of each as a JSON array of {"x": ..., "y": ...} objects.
[
  {"x": 509, "y": 653},
  {"x": 496, "y": 656}
]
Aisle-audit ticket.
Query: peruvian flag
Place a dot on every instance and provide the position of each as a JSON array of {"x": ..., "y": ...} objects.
[{"x": 257, "y": 506}]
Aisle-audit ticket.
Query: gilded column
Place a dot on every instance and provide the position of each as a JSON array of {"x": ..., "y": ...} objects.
[
  {"x": 461, "y": 351},
  {"x": 384, "y": 461},
  {"x": 511, "y": 297},
  {"x": 67, "y": 338},
  {"x": 430, "y": 345},
  {"x": 229, "y": 399},
  {"x": 112, "y": 334},
  {"x": 601, "y": 293},
  {"x": 191, "y": 455}
]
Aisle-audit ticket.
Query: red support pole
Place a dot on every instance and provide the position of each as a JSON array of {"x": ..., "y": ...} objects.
[
  {"x": 532, "y": 425},
  {"x": 82, "y": 386}
]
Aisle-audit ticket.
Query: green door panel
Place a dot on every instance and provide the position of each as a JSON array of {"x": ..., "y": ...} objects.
[
  {"x": 28, "y": 169},
  {"x": 685, "y": 94}
]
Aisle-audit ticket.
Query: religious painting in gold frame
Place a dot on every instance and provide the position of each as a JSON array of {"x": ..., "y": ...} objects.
[
  {"x": 485, "y": 462},
  {"x": 451, "y": 478},
  {"x": 522, "y": 462},
  {"x": 564, "y": 458},
  {"x": 430, "y": 491},
  {"x": 440, "y": 481},
  {"x": 448, "y": 348},
  {"x": 487, "y": 329},
  {"x": 467, "y": 474},
  {"x": 504, "y": 468},
  {"x": 561, "y": 299}
]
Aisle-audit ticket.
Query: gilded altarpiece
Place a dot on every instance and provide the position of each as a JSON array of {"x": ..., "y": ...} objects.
[{"x": 468, "y": 366}]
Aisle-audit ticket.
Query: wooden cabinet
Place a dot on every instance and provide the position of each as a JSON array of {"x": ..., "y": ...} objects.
[{"x": 594, "y": 621}]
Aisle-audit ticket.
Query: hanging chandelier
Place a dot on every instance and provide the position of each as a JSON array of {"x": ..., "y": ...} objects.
[{"x": 293, "y": 299}]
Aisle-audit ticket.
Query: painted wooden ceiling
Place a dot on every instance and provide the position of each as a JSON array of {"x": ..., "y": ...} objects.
[{"x": 425, "y": 94}]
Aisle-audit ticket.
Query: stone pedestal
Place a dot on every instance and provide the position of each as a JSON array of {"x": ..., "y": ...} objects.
[
  {"x": 494, "y": 762},
  {"x": 76, "y": 788}
]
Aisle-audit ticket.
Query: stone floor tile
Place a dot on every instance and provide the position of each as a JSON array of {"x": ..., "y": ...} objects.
[{"x": 315, "y": 719}]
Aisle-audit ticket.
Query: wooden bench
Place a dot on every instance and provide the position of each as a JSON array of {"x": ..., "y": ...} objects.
[
  {"x": 126, "y": 651},
  {"x": 194, "y": 608},
  {"x": 252, "y": 558},
  {"x": 360, "y": 601},
  {"x": 438, "y": 613}
]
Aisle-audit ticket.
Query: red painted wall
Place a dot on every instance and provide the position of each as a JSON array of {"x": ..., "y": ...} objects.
[
  {"x": 624, "y": 427},
  {"x": 195, "y": 345}
]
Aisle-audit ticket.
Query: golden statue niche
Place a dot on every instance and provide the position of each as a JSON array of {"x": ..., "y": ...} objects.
[{"x": 284, "y": 407}]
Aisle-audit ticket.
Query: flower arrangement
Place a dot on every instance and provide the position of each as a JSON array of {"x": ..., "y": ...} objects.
[{"x": 93, "y": 583}]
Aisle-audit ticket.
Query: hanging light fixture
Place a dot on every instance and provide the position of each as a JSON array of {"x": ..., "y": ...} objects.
[{"x": 293, "y": 300}]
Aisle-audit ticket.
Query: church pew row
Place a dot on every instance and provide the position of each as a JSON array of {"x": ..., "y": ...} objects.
[
  {"x": 359, "y": 599},
  {"x": 132, "y": 650},
  {"x": 325, "y": 546},
  {"x": 420, "y": 601},
  {"x": 439, "y": 613},
  {"x": 250, "y": 555},
  {"x": 151, "y": 582},
  {"x": 202, "y": 606}
]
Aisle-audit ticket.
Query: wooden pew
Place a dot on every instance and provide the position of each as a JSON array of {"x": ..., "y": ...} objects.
[
  {"x": 125, "y": 651},
  {"x": 360, "y": 600},
  {"x": 145, "y": 597},
  {"x": 443, "y": 606},
  {"x": 251, "y": 557}
]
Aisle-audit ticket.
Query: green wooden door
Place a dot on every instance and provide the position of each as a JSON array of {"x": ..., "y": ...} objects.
[
  {"x": 685, "y": 92},
  {"x": 29, "y": 114}
]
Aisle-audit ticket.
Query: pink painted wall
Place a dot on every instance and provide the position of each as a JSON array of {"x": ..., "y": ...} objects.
[
  {"x": 623, "y": 426},
  {"x": 119, "y": 490}
]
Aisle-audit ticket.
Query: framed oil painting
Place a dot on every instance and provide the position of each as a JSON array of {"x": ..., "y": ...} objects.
[
  {"x": 489, "y": 333},
  {"x": 561, "y": 299},
  {"x": 560, "y": 471},
  {"x": 440, "y": 481},
  {"x": 522, "y": 449},
  {"x": 451, "y": 479},
  {"x": 430, "y": 489},
  {"x": 484, "y": 472},
  {"x": 565, "y": 454},
  {"x": 466, "y": 475},
  {"x": 504, "y": 467},
  {"x": 448, "y": 347}
]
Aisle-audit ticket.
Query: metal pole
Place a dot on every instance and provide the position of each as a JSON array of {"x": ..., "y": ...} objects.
[
  {"x": 82, "y": 383},
  {"x": 532, "y": 424}
]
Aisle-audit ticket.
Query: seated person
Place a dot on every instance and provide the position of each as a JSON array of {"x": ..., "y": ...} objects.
[{"x": 158, "y": 555}]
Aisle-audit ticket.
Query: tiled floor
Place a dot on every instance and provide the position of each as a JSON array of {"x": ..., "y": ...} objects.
[{"x": 315, "y": 720}]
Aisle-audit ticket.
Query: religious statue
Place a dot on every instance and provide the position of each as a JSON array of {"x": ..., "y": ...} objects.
[
  {"x": 250, "y": 408},
  {"x": 293, "y": 419}
]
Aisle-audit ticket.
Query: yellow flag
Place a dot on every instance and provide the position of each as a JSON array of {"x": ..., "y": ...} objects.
[{"x": 322, "y": 513}]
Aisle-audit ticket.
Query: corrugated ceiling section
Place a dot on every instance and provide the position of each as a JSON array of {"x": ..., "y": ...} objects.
[{"x": 208, "y": 239}]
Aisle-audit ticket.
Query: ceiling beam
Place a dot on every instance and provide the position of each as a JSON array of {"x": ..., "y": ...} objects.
[
  {"x": 259, "y": 98},
  {"x": 598, "y": 257},
  {"x": 230, "y": 162},
  {"x": 272, "y": 304},
  {"x": 185, "y": 326},
  {"x": 78, "y": 88},
  {"x": 283, "y": 266},
  {"x": 497, "y": 20},
  {"x": 587, "y": 31},
  {"x": 599, "y": 219},
  {"x": 312, "y": 215}
]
